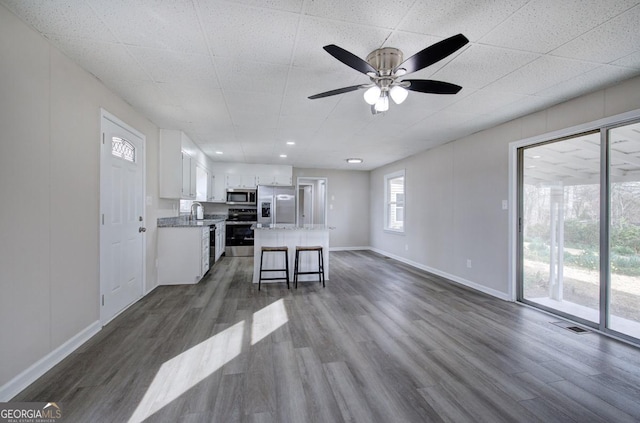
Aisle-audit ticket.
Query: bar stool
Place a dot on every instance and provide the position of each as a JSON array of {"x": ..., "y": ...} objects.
[
  {"x": 319, "y": 272},
  {"x": 284, "y": 250}
]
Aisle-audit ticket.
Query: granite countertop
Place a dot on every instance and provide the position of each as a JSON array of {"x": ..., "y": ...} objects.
[
  {"x": 292, "y": 227},
  {"x": 185, "y": 222}
]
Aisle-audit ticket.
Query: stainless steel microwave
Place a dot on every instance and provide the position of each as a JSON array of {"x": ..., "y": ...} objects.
[{"x": 241, "y": 196}]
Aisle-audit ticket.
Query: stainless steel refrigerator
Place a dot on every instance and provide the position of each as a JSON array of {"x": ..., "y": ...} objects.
[{"x": 276, "y": 205}]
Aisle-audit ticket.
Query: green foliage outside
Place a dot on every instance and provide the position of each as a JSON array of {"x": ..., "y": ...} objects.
[{"x": 584, "y": 236}]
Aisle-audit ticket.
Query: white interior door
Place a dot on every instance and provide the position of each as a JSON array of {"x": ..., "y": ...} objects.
[{"x": 122, "y": 217}]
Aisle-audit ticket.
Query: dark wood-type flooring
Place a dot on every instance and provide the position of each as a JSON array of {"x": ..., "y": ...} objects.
[{"x": 383, "y": 342}]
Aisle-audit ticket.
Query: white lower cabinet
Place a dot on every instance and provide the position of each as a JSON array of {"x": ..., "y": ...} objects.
[
  {"x": 183, "y": 255},
  {"x": 221, "y": 229}
]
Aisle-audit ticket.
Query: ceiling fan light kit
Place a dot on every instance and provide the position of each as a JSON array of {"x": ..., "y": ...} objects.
[{"x": 385, "y": 65}]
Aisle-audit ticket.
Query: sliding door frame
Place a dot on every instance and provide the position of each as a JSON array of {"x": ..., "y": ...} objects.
[{"x": 516, "y": 154}]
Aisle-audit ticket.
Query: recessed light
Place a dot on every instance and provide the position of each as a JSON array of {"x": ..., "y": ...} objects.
[
  {"x": 354, "y": 160},
  {"x": 219, "y": 152},
  {"x": 284, "y": 156},
  {"x": 291, "y": 143},
  {"x": 535, "y": 157}
]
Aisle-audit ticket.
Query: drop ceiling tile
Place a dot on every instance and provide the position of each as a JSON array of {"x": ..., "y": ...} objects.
[
  {"x": 167, "y": 25},
  {"x": 484, "y": 101},
  {"x": 544, "y": 25},
  {"x": 631, "y": 61},
  {"x": 287, "y": 5},
  {"x": 481, "y": 65},
  {"x": 174, "y": 67},
  {"x": 236, "y": 75},
  {"x": 596, "y": 45},
  {"x": 69, "y": 19},
  {"x": 258, "y": 34},
  {"x": 107, "y": 61},
  {"x": 593, "y": 80},
  {"x": 473, "y": 18},
  {"x": 380, "y": 13},
  {"x": 540, "y": 74},
  {"x": 315, "y": 33}
]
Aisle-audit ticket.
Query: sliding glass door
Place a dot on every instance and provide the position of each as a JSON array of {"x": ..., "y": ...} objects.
[
  {"x": 579, "y": 228},
  {"x": 624, "y": 230},
  {"x": 560, "y": 226}
]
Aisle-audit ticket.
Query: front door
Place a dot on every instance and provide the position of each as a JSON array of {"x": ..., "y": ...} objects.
[{"x": 121, "y": 217}]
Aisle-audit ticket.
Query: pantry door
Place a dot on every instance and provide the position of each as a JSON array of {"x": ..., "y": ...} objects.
[{"x": 122, "y": 226}]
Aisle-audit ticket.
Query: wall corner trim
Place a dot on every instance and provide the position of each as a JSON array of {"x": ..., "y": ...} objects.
[
  {"x": 473, "y": 285},
  {"x": 30, "y": 375}
]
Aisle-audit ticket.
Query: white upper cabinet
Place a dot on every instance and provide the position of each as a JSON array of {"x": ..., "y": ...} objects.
[
  {"x": 179, "y": 159},
  {"x": 187, "y": 173},
  {"x": 274, "y": 175},
  {"x": 217, "y": 188},
  {"x": 237, "y": 180},
  {"x": 189, "y": 179}
]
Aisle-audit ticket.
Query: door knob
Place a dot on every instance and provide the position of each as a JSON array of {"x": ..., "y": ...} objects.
[{"x": 142, "y": 229}]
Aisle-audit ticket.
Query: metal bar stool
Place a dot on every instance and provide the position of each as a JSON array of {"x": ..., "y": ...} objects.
[
  {"x": 319, "y": 272},
  {"x": 284, "y": 250}
]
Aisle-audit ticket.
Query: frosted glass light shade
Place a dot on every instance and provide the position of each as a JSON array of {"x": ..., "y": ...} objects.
[
  {"x": 382, "y": 105},
  {"x": 398, "y": 94},
  {"x": 372, "y": 95}
]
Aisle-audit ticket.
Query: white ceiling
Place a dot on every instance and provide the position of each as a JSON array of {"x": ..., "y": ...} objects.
[{"x": 235, "y": 75}]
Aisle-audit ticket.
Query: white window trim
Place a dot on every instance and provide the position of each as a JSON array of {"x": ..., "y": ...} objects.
[{"x": 387, "y": 177}]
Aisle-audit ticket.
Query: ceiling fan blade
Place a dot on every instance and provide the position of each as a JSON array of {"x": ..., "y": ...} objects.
[
  {"x": 337, "y": 91},
  {"x": 349, "y": 59},
  {"x": 433, "y": 53},
  {"x": 431, "y": 87}
]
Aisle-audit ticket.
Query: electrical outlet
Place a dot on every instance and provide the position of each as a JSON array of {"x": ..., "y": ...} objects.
[
  {"x": 505, "y": 204},
  {"x": 406, "y": 247},
  {"x": 469, "y": 263}
]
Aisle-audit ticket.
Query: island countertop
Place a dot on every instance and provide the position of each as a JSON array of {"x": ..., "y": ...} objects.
[
  {"x": 291, "y": 227},
  {"x": 185, "y": 222}
]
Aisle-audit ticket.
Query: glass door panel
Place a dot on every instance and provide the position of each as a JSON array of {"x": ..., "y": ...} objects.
[
  {"x": 624, "y": 230},
  {"x": 560, "y": 215}
]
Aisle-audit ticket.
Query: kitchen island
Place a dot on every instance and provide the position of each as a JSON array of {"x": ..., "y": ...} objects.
[{"x": 290, "y": 236}]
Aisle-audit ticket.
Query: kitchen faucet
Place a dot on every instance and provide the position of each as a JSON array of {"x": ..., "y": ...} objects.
[{"x": 192, "y": 215}]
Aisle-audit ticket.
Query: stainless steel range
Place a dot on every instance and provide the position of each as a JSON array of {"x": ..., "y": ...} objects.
[{"x": 239, "y": 235}]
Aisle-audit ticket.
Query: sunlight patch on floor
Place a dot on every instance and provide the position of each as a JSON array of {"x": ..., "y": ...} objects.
[
  {"x": 183, "y": 372},
  {"x": 267, "y": 320}
]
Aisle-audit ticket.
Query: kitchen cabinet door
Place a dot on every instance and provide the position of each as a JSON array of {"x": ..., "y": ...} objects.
[
  {"x": 220, "y": 239},
  {"x": 218, "y": 190},
  {"x": 241, "y": 181},
  {"x": 188, "y": 177}
]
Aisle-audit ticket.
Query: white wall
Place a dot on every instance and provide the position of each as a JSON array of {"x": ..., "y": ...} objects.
[
  {"x": 455, "y": 192},
  {"x": 49, "y": 185},
  {"x": 348, "y": 203}
]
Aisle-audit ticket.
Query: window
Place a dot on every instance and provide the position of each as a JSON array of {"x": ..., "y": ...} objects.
[
  {"x": 123, "y": 149},
  {"x": 394, "y": 201}
]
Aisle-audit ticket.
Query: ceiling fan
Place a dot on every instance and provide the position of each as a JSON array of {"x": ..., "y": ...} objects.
[{"x": 384, "y": 67}]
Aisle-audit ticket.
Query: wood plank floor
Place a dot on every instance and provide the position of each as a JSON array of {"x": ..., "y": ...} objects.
[{"x": 383, "y": 342}]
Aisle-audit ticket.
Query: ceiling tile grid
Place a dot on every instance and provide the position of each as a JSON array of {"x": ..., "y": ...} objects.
[{"x": 235, "y": 74}]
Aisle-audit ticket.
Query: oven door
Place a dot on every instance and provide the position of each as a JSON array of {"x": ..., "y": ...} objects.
[{"x": 239, "y": 239}]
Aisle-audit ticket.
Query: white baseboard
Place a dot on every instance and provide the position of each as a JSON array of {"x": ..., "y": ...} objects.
[
  {"x": 348, "y": 248},
  {"x": 494, "y": 293},
  {"x": 27, "y": 377}
]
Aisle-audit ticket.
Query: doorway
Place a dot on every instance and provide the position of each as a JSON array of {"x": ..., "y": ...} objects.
[
  {"x": 122, "y": 226},
  {"x": 579, "y": 228},
  {"x": 312, "y": 201}
]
